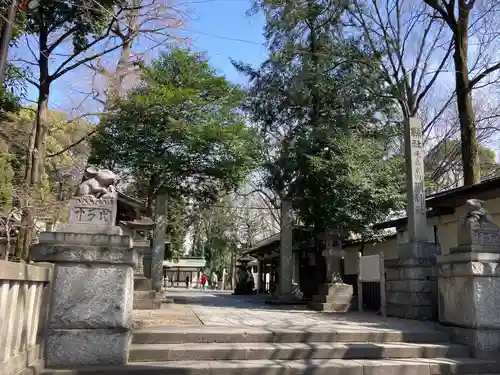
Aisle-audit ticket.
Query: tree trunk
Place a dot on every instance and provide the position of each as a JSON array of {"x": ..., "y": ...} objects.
[
  {"x": 35, "y": 158},
  {"x": 122, "y": 68},
  {"x": 150, "y": 197},
  {"x": 313, "y": 47},
  {"x": 470, "y": 156},
  {"x": 161, "y": 211}
]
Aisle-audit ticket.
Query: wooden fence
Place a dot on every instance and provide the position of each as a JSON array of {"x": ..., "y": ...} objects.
[{"x": 24, "y": 301}]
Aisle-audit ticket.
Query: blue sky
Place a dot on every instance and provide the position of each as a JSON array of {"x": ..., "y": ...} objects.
[{"x": 220, "y": 28}]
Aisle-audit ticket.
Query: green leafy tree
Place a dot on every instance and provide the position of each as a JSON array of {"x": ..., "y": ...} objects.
[
  {"x": 6, "y": 177},
  {"x": 13, "y": 89},
  {"x": 177, "y": 228},
  {"x": 319, "y": 101},
  {"x": 80, "y": 31},
  {"x": 179, "y": 132},
  {"x": 61, "y": 172}
]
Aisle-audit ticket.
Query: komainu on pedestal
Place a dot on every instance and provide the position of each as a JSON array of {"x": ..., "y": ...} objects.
[
  {"x": 93, "y": 208},
  {"x": 469, "y": 283},
  {"x": 90, "y": 315}
]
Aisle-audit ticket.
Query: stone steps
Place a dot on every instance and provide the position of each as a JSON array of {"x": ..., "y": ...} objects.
[
  {"x": 142, "y": 294},
  {"x": 329, "y": 306},
  {"x": 142, "y": 283},
  {"x": 146, "y": 304},
  {"x": 291, "y": 351},
  {"x": 144, "y": 297},
  {"x": 438, "y": 366},
  {"x": 320, "y": 350},
  {"x": 225, "y": 334}
]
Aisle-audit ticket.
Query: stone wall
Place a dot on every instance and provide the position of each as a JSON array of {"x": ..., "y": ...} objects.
[{"x": 24, "y": 300}]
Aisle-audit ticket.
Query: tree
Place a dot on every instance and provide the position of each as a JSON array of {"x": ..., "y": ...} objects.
[
  {"x": 61, "y": 173},
  {"x": 54, "y": 27},
  {"x": 457, "y": 16},
  {"x": 445, "y": 165},
  {"x": 177, "y": 227},
  {"x": 13, "y": 89},
  {"x": 6, "y": 177},
  {"x": 142, "y": 25},
  {"x": 409, "y": 44},
  {"x": 317, "y": 98},
  {"x": 179, "y": 131}
]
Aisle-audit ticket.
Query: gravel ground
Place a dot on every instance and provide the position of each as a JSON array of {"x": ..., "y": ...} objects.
[{"x": 169, "y": 314}]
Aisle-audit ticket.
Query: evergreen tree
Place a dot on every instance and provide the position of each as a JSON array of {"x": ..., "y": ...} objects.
[
  {"x": 319, "y": 101},
  {"x": 179, "y": 132}
]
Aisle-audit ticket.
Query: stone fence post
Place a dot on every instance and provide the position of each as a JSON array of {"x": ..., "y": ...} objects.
[{"x": 90, "y": 314}]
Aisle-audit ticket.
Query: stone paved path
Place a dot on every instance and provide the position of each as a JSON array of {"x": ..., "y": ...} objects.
[
  {"x": 169, "y": 314},
  {"x": 222, "y": 309}
]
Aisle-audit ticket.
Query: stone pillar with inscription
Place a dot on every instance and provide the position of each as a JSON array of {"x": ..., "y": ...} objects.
[
  {"x": 469, "y": 283},
  {"x": 92, "y": 290},
  {"x": 334, "y": 295},
  {"x": 411, "y": 284}
]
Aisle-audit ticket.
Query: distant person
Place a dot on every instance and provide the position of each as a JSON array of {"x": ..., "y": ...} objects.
[
  {"x": 165, "y": 283},
  {"x": 214, "y": 281},
  {"x": 187, "y": 281},
  {"x": 203, "y": 282}
]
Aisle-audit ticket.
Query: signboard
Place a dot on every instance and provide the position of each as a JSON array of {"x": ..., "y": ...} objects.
[{"x": 369, "y": 268}]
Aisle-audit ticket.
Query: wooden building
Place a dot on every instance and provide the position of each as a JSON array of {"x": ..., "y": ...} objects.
[{"x": 444, "y": 212}]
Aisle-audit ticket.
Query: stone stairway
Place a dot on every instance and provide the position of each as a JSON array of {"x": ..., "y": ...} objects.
[{"x": 210, "y": 350}]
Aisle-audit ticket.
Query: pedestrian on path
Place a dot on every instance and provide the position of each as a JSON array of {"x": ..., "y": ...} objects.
[
  {"x": 203, "y": 282},
  {"x": 214, "y": 281},
  {"x": 165, "y": 283},
  {"x": 187, "y": 282}
]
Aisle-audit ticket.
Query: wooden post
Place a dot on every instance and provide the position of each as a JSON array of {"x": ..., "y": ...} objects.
[
  {"x": 259, "y": 276},
  {"x": 382, "y": 285},
  {"x": 360, "y": 285}
]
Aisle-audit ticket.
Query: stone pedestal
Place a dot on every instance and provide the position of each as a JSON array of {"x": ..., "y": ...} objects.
[
  {"x": 89, "y": 215},
  {"x": 147, "y": 260},
  {"x": 411, "y": 282},
  {"x": 91, "y": 299},
  {"x": 469, "y": 300},
  {"x": 333, "y": 296},
  {"x": 469, "y": 289},
  {"x": 139, "y": 266},
  {"x": 144, "y": 297}
]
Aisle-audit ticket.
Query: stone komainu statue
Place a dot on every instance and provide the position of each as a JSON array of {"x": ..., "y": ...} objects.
[
  {"x": 98, "y": 183},
  {"x": 476, "y": 214}
]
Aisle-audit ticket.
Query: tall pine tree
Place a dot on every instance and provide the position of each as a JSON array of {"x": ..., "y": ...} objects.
[{"x": 319, "y": 102}]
